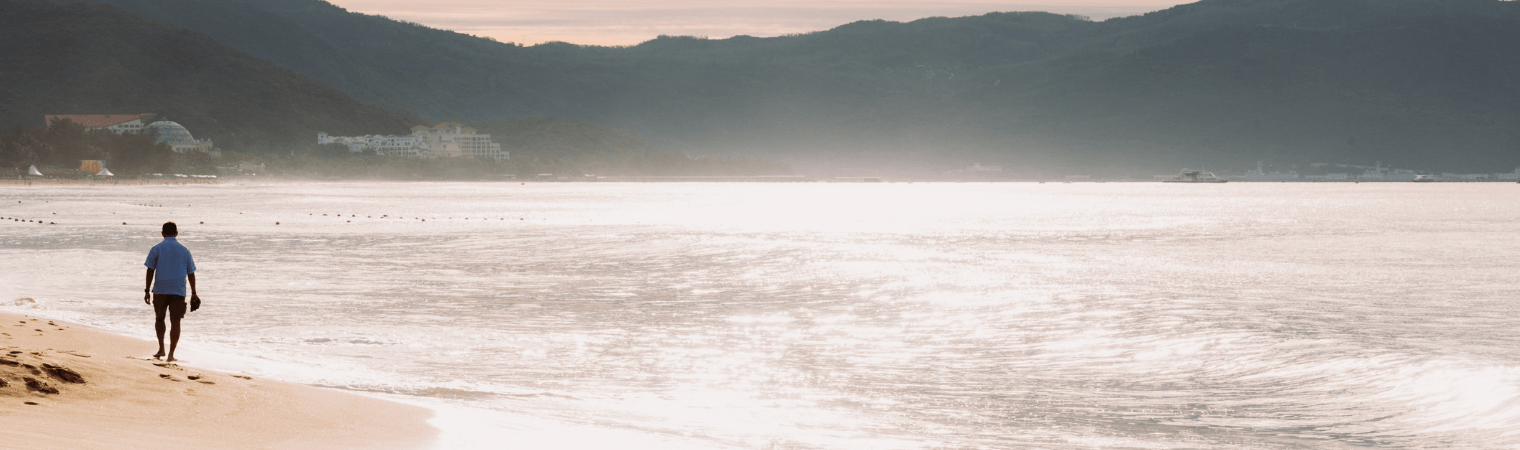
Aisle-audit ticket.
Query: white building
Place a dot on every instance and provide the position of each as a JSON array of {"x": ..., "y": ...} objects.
[
  {"x": 355, "y": 144},
  {"x": 178, "y": 138},
  {"x": 408, "y": 146},
  {"x": 381, "y": 145},
  {"x": 445, "y": 140},
  {"x": 454, "y": 140},
  {"x": 1260, "y": 175},
  {"x": 1510, "y": 176}
]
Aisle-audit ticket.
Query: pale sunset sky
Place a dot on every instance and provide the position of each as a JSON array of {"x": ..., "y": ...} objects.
[{"x": 609, "y": 22}]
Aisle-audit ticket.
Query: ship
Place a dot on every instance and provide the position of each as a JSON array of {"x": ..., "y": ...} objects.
[
  {"x": 1195, "y": 176},
  {"x": 1425, "y": 178}
]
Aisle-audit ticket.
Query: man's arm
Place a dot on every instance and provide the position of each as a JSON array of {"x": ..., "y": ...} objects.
[
  {"x": 148, "y": 288},
  {"x": 191, "y": 277}
]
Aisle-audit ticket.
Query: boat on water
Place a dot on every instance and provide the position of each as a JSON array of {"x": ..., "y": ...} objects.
[
  {"x": 1425, "y": 178},
  {"x": 1195, "y": 176}
]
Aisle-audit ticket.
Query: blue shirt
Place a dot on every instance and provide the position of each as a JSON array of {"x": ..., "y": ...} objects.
[{"x": 171, "y": 263}]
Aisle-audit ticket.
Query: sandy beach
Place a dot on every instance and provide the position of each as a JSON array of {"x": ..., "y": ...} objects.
[{"x": 64, "y": 386}]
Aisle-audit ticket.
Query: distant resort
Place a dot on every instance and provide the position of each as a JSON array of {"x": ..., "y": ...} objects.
[
  {"x": 164, "y": 132},
  {"x": 448, "y": 139},
  {"x": 88, "y": 148},
  {"x": 445, "y": 140}
]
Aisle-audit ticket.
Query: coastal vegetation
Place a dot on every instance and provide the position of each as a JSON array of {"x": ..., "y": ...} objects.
[
  {"x": 59, "y": 149},
  {"x": 557, "y": 147}
]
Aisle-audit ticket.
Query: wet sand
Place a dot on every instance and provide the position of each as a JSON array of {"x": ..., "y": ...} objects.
[{"x": 69, "y": 387}]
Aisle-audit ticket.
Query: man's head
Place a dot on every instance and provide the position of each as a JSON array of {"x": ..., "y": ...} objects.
[{"x": 170, "y": 229}]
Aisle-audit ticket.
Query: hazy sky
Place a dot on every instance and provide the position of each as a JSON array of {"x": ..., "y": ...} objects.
[{"x": 609, "y": 22}]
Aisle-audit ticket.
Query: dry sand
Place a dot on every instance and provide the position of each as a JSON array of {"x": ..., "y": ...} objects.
[{"x": 68, "y": 387}]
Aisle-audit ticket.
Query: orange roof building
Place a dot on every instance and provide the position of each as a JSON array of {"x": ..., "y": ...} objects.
[{"x": 119, "y": 123}]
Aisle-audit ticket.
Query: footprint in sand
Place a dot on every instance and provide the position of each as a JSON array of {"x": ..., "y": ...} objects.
[
  {"x": 168, "y": 377},
  {"x": 63, "y": 373},
  {"x": 32, "y": 384},
  {"x": 243, "y": 377}
]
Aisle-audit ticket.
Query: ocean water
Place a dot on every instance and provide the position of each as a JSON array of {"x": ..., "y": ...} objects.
[{"x": 833, "y": 316}]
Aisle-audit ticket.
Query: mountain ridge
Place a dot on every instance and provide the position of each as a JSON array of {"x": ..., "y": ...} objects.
[{"x": 1207, "y": 81}]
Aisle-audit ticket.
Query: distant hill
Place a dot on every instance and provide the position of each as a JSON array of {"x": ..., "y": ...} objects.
[
  {"x": 92, "y": 59},
  {"x": 1415, "y": 83}
]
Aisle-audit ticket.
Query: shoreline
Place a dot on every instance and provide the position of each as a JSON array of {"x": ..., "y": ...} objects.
[
  {"x": 66, "y": 386},
  {"x": 666, "y": 180},
  {"x": 114, "y": 182}
]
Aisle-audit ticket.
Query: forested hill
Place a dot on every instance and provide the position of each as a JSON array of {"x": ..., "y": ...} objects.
[
  {"x": 93, "y": 59},
  {"x": 1416, "y": 83}
]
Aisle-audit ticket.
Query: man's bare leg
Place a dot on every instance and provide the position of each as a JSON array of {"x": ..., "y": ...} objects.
[
  {"x": 173, "y": 337},
  {"x": 158, "y": 326}
]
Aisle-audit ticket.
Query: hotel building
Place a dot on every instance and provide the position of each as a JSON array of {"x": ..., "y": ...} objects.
[{"x": 448, "y": 139}]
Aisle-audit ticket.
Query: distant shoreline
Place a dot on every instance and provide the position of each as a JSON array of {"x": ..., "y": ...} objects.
[
  {"x": 653, "y": 180},
  {"x": 120, "y": 182}
]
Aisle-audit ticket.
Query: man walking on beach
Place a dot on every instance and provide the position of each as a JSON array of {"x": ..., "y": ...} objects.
[{"x": 169, "y": 265}]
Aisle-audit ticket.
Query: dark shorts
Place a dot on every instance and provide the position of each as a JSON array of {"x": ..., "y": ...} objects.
[{"x": 173, "y": 304}]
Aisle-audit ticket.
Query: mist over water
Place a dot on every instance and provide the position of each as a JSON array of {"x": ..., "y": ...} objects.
[{"x": 862, "y": 316}]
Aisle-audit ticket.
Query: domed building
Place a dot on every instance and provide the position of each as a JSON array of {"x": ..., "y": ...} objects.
[{"x": 177, "y": 137}]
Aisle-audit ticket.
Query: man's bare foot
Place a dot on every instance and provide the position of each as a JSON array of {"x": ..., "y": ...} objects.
[
  {"x": 158, "y": 355},
  {"x": 171, "y": 359}
]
